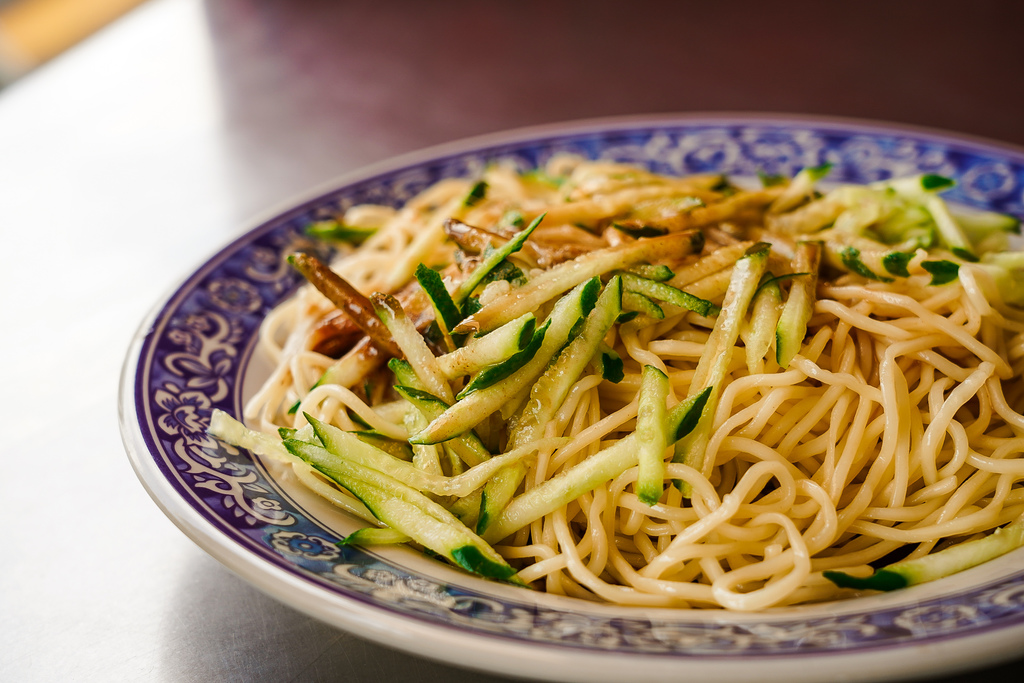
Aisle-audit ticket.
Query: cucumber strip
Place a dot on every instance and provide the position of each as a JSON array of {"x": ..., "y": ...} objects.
[
  {"x": 490, "y": 349},
  {"x": 416, "y": 417},
  {"x": 228, "y": 429},
  {"x": 374, "y": 536},
  {"x": 942, "y": 272},
  {"x": 496, "y": 373},
  {"x": 603, "y": 466},
  {"x": 915, "y": 187},
  {"x": 565, "y": 276},
  {"x": 412, "y": 344},
  {"x": 336, "y": 231},
  {"x": 714, "y": 361},
  {"x": 467, "y": 446},
  {"x": 467, "y": 508},
  {"x": 650, "y": 433},
  {"x": 1007, "y": 273},
  {"x": 547, "y": 395},
  {"x": 550, "y": 390},
  {"x": 800, "y": 188},
  {"x": 344, "y": 446},
  {"x": 476, "y": 194},
  {"x": 857, "y": 218},
  {"x": 851, "y": 259},
  {"x": 446, "y": 313},
  {"x": 716, "y": 261},
  {"x": 866, "y": 257},
  {"x": 792, "y": 327},
  {"x": 491, "y": 260},
  {"x": 426, "y": 458},
  {"x": 347, "y": 298},
  {"x": 396, "y": 449},
  {"x": 658, "y": 273},
  {"x": 937, "y": 565},
  {"x": 405, "y": 375},
  {"x": 512, "y": 406},
  {"x": 895, "y": 262},
  {"x": 909, "y": 225},
  {"x": 986, "y": 230},
  {"x": 759, "y": 332},
  {"x": 337, "y": 468},
  {"x": 409, "y": 512},
  {"x": 471, "y": 410},
  {"x": 609, "y": 363},
  {"x": 666, "y": 293},
  {"x": 635, "y": 302},
  {"x": 951, "y": 234},
  {"x": 810, "y": 217}
]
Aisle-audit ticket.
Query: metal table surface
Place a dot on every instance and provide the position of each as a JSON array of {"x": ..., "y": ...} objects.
[{"x": 129, "y": 159}]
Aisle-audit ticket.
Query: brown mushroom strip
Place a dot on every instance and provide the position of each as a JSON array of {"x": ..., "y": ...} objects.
[
  {"x": 545, "y": 248},
  {"x": 335, "y": 335},
  {"x": 347, "y": 298}
]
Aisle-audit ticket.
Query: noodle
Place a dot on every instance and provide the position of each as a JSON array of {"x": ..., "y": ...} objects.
[{"x": 896, "y": 426}]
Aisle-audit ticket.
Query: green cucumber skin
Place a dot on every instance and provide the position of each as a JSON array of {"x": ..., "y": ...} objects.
[
  {"x": 965, "y": 254},
  {"x": 896, "y": 263},
  {"x": 650, "y": 431},
  {"x": 335, "y": 231},
  {"x": 882, "y": 580},
  {"x": 612, "y": 367},
  {"x": 942, "y": 272},
  {"x": 472, "y": 560},
  {"x": 492, "y": 260},
  {"x": 491, "y": 376},
  {"x": 476, "y": 193},
  {"x": 476, "y": 406},
  {"x": 551, "y": 388},
  {"x": 937, "y": 565},
  {"x": 718, "y": 351},
  {"x": 565, "y": 276},
  {"x": 603, "y": 466},
  {"x": 445, "y": 308},
  {"x": 409, "y": 512},
  {"x": 635, "y": 302},
  {"x": 797, "y": 311},
  {"x": 765, "y": 309},
  {"x": 515, "y": 362},
  {"x": 667, "y": 293},
  {"x": 549, "y": 392},
  {"x": 659, "y": 273},
  {"x": 489, "y": 349},
  {"x": 852, "y": 262},
  {"x": 374, "y": 536}
]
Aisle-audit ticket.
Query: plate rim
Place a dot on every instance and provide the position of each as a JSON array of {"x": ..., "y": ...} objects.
[{"x": 368, "y": 621}]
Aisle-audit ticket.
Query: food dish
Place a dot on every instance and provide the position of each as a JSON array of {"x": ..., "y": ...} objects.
[{"x": 202, "y": 336}]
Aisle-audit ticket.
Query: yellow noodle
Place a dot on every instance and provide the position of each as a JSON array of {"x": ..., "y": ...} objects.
[{"x": 898, "y": 424}]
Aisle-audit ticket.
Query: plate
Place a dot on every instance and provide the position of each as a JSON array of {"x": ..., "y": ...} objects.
[{"x": 195, "y": 353}]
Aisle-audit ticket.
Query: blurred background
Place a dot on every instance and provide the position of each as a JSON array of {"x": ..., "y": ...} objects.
[{"x": 34, "y": 31}]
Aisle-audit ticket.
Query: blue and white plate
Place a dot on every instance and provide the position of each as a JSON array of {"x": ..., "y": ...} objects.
[{"x": 195, "y": 353}]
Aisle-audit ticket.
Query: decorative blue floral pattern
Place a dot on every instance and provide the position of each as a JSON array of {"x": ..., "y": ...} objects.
[{"x": 194, "y": 357}]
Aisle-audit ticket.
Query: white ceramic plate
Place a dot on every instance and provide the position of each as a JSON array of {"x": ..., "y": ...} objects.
[{"x": 195, "y": 353}]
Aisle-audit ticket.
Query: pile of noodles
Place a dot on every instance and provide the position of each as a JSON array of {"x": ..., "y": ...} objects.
[{"x": 896, "y": 429}]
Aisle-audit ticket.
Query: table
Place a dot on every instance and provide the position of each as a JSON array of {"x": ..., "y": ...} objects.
[{"x": 129, "y": 159}]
